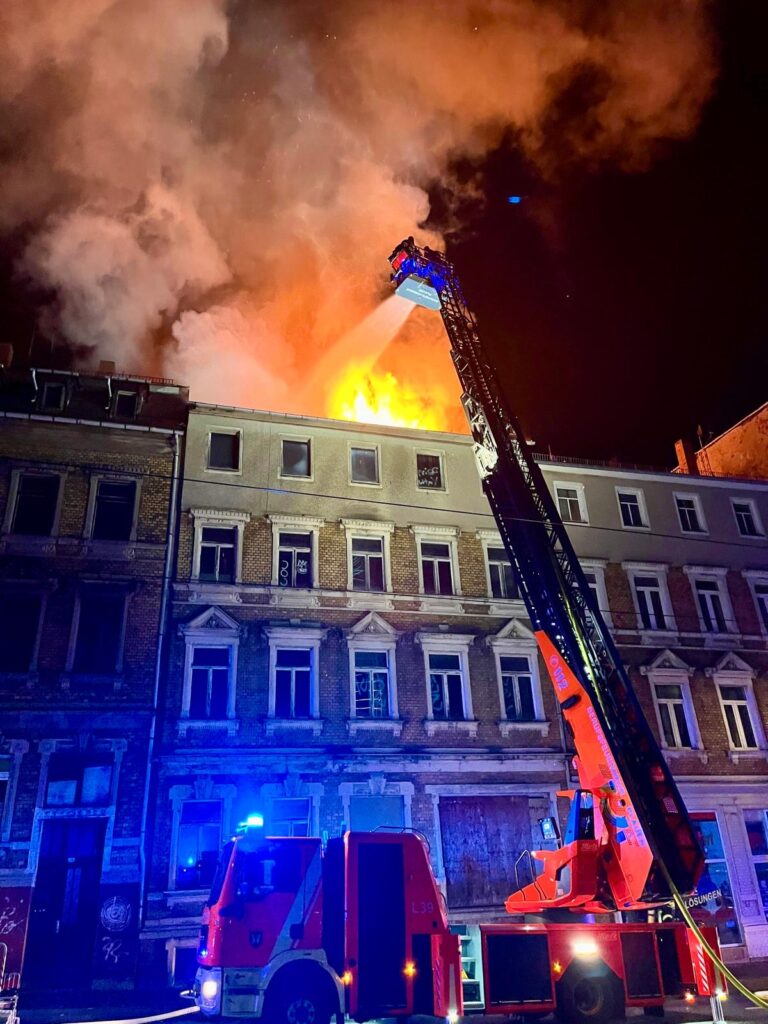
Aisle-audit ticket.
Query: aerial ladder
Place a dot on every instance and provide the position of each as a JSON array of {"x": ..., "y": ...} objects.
[{"x": 630, "y": 843}]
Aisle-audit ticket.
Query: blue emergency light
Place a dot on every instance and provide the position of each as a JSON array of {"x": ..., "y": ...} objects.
[{"x": 252, "y": 821}]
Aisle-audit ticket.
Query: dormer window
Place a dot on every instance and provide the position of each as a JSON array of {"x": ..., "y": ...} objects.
[
  {"x": 126, "y": 405},
  {"x": 54, "y": 396}
]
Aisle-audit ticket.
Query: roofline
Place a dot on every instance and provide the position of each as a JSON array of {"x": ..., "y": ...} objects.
[{"x": 749, "y": 416}]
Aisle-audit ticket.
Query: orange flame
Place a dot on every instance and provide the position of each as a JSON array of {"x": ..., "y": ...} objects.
[{"x": 380, "y": 398}]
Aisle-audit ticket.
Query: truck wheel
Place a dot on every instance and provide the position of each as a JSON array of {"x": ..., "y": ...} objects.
[
  {"x": 298, "y": 1004},
  {"x": 587, "y": 999}
]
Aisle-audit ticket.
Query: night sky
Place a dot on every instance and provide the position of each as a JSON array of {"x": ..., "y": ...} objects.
[
  {"x": 644, "y": 314},
  {"x": 623, "y": 308}
]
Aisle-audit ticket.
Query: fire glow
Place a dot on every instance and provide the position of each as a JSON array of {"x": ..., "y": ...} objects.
[{"x": 370, "y": 397}]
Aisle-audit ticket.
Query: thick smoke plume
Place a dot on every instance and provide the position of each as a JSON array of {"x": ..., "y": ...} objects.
[{"x": 210, "y": 189}]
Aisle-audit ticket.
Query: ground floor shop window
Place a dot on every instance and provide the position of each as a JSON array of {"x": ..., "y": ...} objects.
[
  {"x": 715, "y": 879},
  {"x": 757, "y": 830},
  {"x": 199, "y": 839}
]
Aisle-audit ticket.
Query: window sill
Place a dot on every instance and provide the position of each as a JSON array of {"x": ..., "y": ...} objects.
[
  {"x": 439, "y": 604},
  {"x": 184, "y": 725},
  {"x": 184, "y": 897},
  {"x": 735, "y": 756},
  {"x": 313, "y": 725},
  {"x": 386, "y": 725},
  {"x": 28, "y": 544},
  {"x": 72, "y": 680},
  {"x": 370, "y": 600},
  {"x": 215, "y": 592},
  {"x": 673, "y": 753},
  {"x": 658, "y": 637},
  {"x": 721, "y": 639},
  {"x": 507, "y": 727},
  {"x": 434, "y": 726},
  {"x": 506, "y": 607},
  {"x": 294, "y": 597}
]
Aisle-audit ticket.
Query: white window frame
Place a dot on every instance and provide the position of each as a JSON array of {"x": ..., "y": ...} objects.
[
  {"x": 369, "y": 447},
  {"x": 760, "y": 535},
  {"x": 44, "y": 406},
  {"x": 132, "y": 393},
  {"x": 439, "y": 535},
  {"x": 455, "y": 644},
  {"x": 719, "y": 575},
  {"x": 295, "y": 524},
  {"x": 13, "y": 494},
  {"x": 681, "y": 678},
  {"x": 436, "y": 453},
  {"x": 383, "y": 639},
  {"x": 215, "y": 469},
  {"x": 296, "y": 637},
  {"x": 745, "y": 679},
  {"x": 12, "y": 586},
  {"x": 90, "y": 516},
  {"x": 504, "y": 605},
  {"x": 580, "y": 496},
  {"x": 213, "y": 628},
  {"x": 597, "y": 566},
  {"x": 15, "y": 750},
  {"x": 507, "y": 646},
  {"x": 688, "y": 495},
  {"x": 645, "y": 522},
  {"x": 218, "y": 518},
  {"x": 203, "y": 790},
  {"x": 659, "y": 571},
  {"x": 755, "y": 578},
  {"x": 369, "y": 529},
  {"x": 302, "y": 439}
]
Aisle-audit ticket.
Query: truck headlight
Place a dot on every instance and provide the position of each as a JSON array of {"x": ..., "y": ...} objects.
[{"x": 209, "y": 989}]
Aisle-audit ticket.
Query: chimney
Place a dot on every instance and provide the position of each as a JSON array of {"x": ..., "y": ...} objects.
[
  {"x": 686, "y": 458},
  {"x": 6, "y": 355},
  {"x": 107, "y": 367}
]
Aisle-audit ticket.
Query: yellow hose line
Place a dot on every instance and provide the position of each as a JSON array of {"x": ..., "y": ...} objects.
[
  {"x": 753, "y": 997},
  {"x": 148, "y": 1020}
]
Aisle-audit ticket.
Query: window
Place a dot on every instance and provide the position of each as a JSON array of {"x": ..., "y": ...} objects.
[
  {"x": 632, "y": 508},
  {"x": 650, "y": 606},
  {"x": 37, "y": 498},
  {"x": 517, "y": 688},
  {"x": 364, "y": 465},
  {"x": 224, "y": 450},
  {"x": 126, "y": 405},
  {"x": 690, "y": 514},
  {"x": 429, "y": 471},
  {"x": 5, "y": 783},
  {"x": 710, "y": 603},
  {"x": 371, "y": 684},
  {"x": 650, "y": 596},
  {"x": 114, "y": 509},
  {"x": 293, "y": 683},
  {"x": 296, "y": 459},
  {"x": 367, "y": 813},
  {"x": 446, "y": 686},
  {"x": 756, "y": 823},
  {"x": 670, "y": 702},
  {"x": 198, "y": 843},
  {"x": 436, "y": 568},
  {"x": 760, "y": 591},
  {"x": 594, "y": 574},
  {"x": 209, "y": 696},
  {"x": 501, "y": 575},
  {"x": 291, "y": 816},
  {"x": 218, "y": 547},
  {"x": 735, "y": 703},
  {"x": 747, "y": 517},
  {"x": 77, "y": 781},
  {"x": 19, "y": 628},
  {"x": 368, "y": 563},
  {"x": 100, "y": 626},
  {"x": 54, "y": 397},
  {"x": 571, "y": 502},
  {"x": 294, "y": 560},
  {"x": 715, "y": 878}
]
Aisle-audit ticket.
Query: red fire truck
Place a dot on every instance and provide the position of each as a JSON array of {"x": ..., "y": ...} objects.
[{"x": 298, "y": 935}]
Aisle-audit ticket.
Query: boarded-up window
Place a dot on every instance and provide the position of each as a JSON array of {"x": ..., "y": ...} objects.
[{"x": 482, "y": 838}]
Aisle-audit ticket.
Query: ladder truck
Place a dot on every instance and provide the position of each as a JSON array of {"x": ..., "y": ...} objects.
[{"x": 298, "y": 934}]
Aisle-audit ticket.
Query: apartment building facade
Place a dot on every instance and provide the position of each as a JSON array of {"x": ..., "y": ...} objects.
[
  {"x": 87, "y": 469},
  {"x": 348, "y": 650}
]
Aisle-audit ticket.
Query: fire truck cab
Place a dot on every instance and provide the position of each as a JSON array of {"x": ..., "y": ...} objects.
[{"x": 300, "y": 935}]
